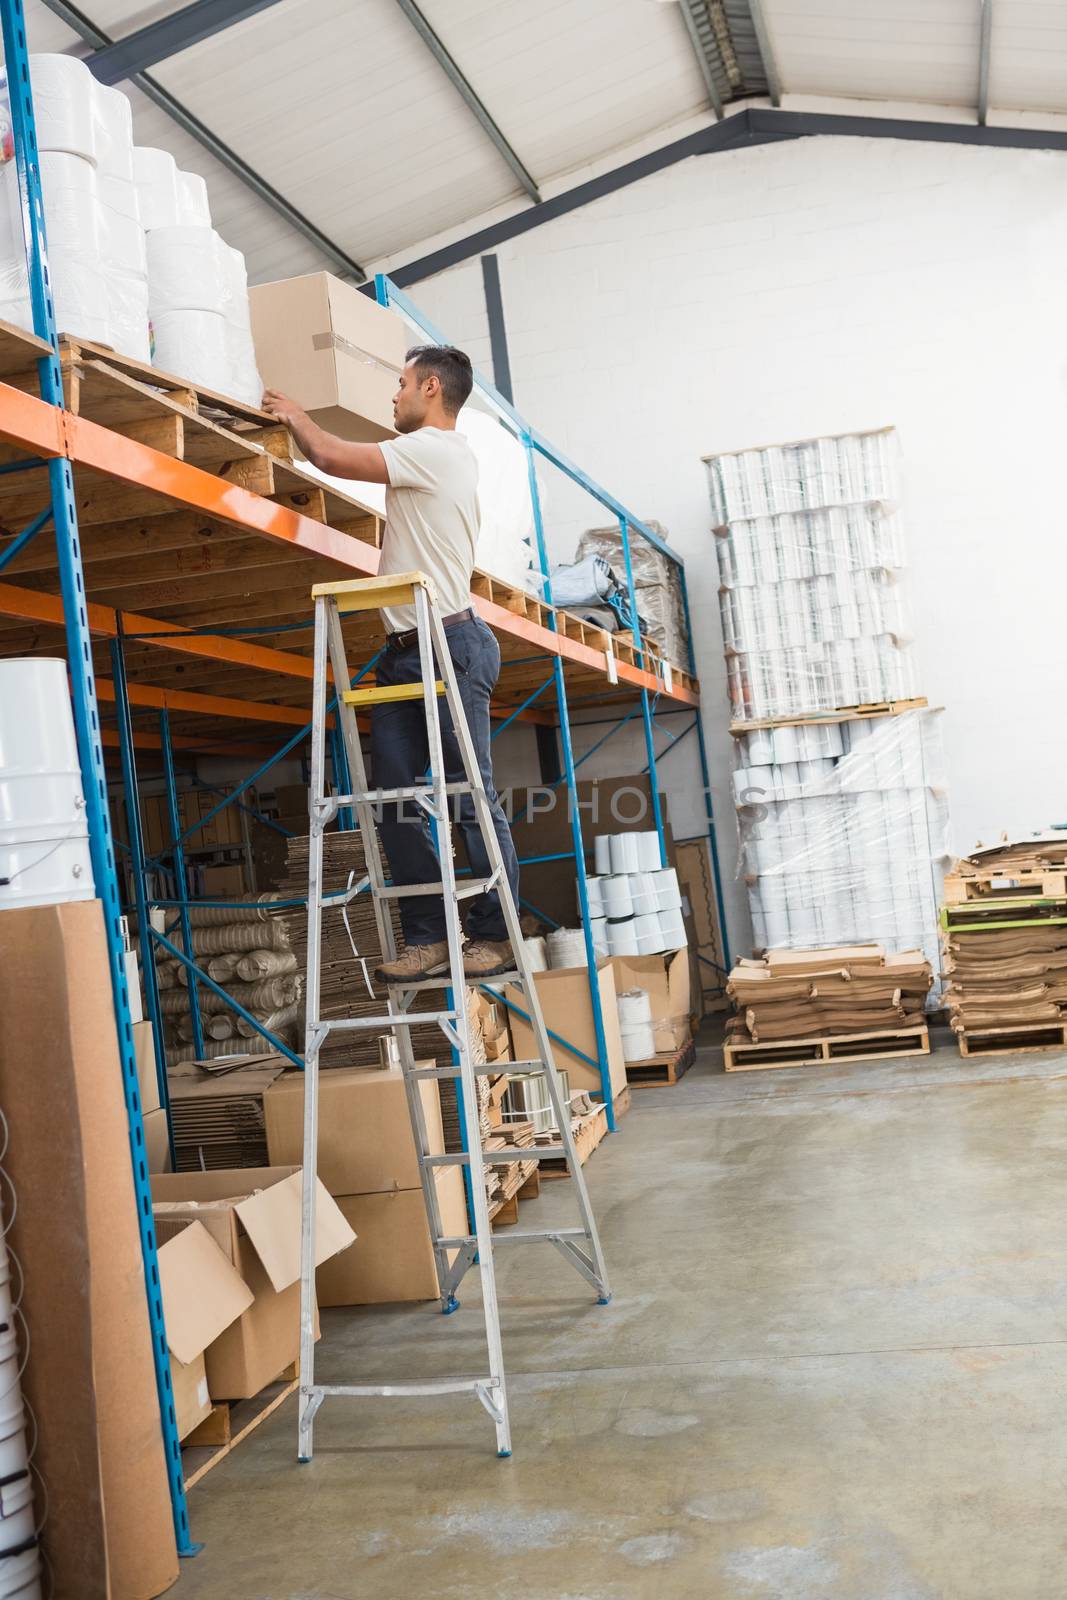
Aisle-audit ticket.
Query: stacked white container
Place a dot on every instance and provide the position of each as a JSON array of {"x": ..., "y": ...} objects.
[
  {"x": 843, "y": 825},
  {"x": 635, "y": 904}
]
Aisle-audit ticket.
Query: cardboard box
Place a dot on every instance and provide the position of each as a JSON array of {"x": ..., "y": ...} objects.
[
  {"x": 253, "y": 1214},
  {"x": 365, "y": 1140},
  {"x": 156, "y": 1141},
  {"x": 338, "y": 353},
  {"x": 392, "y": 1258},
  {"x": 144, "y": 1043},
  {"x": 665, "y": 979},
  {"x": 568, "y": 1012},
  {"x": 223, "y": 883},
  {"x": 90, "y": 1380},
  {"x": 202, "y": 1296}
]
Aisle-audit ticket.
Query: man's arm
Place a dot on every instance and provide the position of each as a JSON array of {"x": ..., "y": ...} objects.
[{"x": 338, "y": 457}]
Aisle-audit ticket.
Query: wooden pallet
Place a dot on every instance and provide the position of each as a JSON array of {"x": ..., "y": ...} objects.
[
  {"x": 231, "y": 1421},
  {"x": 876, "y": 708},
  {"x": 590, "y": 1133},
  {"x": 881, "y": 1044},
  {"x": 1004, "y": 911},
  {"x": 1020, "y": 1040},
  {"x": 657, "y": 1071},
  {"x": 1036, "y": 882}
]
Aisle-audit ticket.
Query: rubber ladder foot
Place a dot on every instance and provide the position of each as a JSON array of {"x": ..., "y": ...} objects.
[
  {"x": 604, "y": 1300},
  {"x": 452, "y": 1305},
  {"x": 303, "y": 1461},
  {"x": 503, "y": 1454}
]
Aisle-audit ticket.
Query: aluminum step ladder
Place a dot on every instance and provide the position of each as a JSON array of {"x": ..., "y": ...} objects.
[{"x": 455, "y": 1255}]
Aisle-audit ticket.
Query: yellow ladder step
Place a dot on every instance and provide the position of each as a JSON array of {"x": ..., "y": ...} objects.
[
  {"x": 398, "y": 691},
  {"x": 370, "y": 594}
]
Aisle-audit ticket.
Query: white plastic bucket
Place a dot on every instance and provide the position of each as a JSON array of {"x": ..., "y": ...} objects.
[{"x": 44, "y": 845}]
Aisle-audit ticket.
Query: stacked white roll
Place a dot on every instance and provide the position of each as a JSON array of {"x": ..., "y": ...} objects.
[
  {"x": 635, "y": 905},
  {"x": 155, "y": 173},
  {"x": 566, "y": 948},
  {"x": 187, "y": 288},
  {"x": 635, "y": 1025},
  {"x": 122, "y": 240},
  {"x": 245, "y": 381}
]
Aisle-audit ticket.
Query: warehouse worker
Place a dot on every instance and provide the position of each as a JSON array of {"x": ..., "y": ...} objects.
[{"x": 431, "y": 526}]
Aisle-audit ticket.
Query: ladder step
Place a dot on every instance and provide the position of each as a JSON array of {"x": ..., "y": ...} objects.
[
  {"x": 446, "y": 981},
  {"x": 396, "y": 891},
  {"x": 494, "y": 1158},
  {"x": 370, "y": 594},
  {"x": 486, "y": 1069},
  {"x": 387, "y": 693},
  {"x": 431, "y": 1386},
  {"x": 411, "y": 792},
  {"x": 508, "y": 1237},
  {"x": 392, "y": 1020}
]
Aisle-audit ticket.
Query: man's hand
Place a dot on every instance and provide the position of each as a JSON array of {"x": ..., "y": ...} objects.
[{"x": 287, "y": 411}]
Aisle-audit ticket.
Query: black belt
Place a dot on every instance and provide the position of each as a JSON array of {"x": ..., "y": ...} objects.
[{"x": 401, "y": 641}]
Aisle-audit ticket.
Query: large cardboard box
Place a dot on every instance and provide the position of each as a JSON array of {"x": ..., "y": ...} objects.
[
  {"x": 89, "y": 1378},
  {"x": 157, "y": 1141},
  {"x": 253, "y": 1214},
  {"x": 568, "y": 1012},
  {"x": 202, "y": 1295},
  {"x": 665, "y": 979},
  {"x": 366, "y": 1144},
  {"x": 336, "y": 352},
  {"x": 392, "y": 1258}
]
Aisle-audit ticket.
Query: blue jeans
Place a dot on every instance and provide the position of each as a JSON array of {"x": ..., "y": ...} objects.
[{"x": 400, "y": 757}]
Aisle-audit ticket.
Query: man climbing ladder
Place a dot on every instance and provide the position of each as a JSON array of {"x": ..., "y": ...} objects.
[{"x": 431, "y": 526}]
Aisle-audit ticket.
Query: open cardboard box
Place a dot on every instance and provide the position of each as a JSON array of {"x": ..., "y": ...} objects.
[
  {"x": 338, "y": 353},
  {"x": 202, "y": 1295},
  {"x": 665, "y": 979},
  {"x": 568, "y": 1011},
  {"x": 253, "y": 1215}
]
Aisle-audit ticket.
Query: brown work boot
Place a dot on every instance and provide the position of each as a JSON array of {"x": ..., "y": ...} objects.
[
  {"x": 415, "y": 961},
  {"x": 484, "y": 958}
]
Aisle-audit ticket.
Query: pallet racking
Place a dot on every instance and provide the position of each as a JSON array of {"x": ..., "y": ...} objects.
[{"x": 185, "y": 543}]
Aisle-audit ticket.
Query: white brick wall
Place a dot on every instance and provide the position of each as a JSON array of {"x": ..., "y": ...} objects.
[{"x": 817, "y": 286}]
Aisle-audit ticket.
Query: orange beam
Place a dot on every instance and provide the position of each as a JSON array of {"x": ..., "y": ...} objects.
[
  {"x": 208, "y": 705},
  {"x": 25, "y": 420}
]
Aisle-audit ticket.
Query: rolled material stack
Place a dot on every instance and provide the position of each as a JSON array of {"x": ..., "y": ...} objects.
[
  {"x": 635, "y": 903},
  {"x": 134, "y": 262},
  {"x": 246, "y": 951},
  {"x": 810, "y": 994}
]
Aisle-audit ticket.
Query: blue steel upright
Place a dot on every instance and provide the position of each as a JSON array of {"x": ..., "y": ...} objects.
[
  {"x": 180, "y": 879},
  {"x": 87, "y": 718}
]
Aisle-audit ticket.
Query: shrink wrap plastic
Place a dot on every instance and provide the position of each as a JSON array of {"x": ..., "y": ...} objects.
[
  {"x": 245, "y": 381},
  {"x": 185, "y": 271},
  {"x": 192, "y": 344},
  {"x": 156, "y": 176},
  {"x": 113, "y": 121},
  {"x": 64, "y": 104},
  {"x": 194, "y": 210}
]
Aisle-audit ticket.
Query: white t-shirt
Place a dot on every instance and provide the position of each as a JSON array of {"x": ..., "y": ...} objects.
[{"x": 431, "y": 517}]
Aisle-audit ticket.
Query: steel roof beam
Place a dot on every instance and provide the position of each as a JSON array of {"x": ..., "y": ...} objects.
[
  {"x": 763, "y": 40},
  {"x": 985, "y": 23},
  {"x": 460, "y": 83},
  {"x": 169, "y": 37},
  {"x": 702, "y": 38},
  {"x": 341, "y": 260}
]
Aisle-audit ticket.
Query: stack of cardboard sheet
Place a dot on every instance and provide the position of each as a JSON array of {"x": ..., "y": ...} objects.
[
  {"x": 350, "y": 952},
  {"x": 1004, "y": 943},
  {"x": 217, "y": 1117},
  {"x": 806, "y": 994}
]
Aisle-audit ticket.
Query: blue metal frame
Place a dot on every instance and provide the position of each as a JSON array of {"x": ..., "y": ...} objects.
[
  {"x": 87, "y": 722},
  {"x": 180, "y": 881}
]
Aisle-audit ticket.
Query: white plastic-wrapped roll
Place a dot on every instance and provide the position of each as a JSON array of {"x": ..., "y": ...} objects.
[
  {"x": 127, "y": 312},
  {"x": 503, "y": 495},
  {"x": 194, "y": 208},
  {"x": 122, "y": 241},
  {"x": 80, "y": 296},
  {"x": 114, "y": 132},
  {"x": 185, "y": 271},
  {"x": 156, "y": 175},
  {"x": 64, "y": 104},
  {"x": 192, "y": 345},
  {"x": 246, "y": 383}
]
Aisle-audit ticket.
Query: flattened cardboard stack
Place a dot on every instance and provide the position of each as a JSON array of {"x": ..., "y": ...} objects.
[
  {"x": 349, "y": 990},
  {"x": 218, "y": 1118},
  {"x": 1011, "y": 974},
  {"x": 806, "y": 994}
]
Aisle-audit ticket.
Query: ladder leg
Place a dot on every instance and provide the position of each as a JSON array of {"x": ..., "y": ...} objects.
[
  {"x": 511, "y": 919},
  {"x": 312, "y": 1042},
  {"x": 427, "y": 619}
]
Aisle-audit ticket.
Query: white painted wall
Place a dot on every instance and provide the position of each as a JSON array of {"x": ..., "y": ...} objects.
[{"x": 819, "y": 286}]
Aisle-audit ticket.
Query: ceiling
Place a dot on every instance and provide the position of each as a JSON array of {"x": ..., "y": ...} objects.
[{"x": 362, "y": 128}]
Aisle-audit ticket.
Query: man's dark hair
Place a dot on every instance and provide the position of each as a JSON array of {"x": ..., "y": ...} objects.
[{"x": 450, "y": 366}]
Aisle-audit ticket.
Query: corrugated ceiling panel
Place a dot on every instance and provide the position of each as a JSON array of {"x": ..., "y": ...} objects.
[
  {"x": 345, "y": 111},
  {"x": 1028, "y": 55},
  {"x": 569, "y": 81},
  {"x": 921, "y": 50}
]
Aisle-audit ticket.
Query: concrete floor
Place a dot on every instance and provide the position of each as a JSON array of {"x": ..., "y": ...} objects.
[{"x": 835, "y": 1368}]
